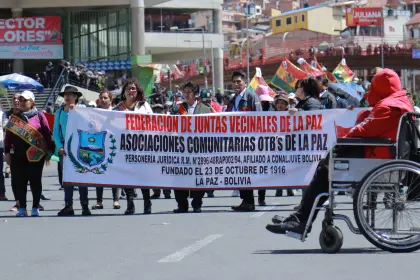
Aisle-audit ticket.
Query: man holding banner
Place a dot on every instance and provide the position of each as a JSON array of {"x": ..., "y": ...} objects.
[
  {"x": 190, "y": 107},
  {"x": 243, "y": 101}
]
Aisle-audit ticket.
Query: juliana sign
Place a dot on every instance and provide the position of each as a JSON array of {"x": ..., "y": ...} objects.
[{"x": 364, "y": 16}]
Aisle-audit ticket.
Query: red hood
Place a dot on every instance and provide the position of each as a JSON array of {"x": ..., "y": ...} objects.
[
  {"x": 384, "y": 84},
  {"x": 397, "y": 100}
]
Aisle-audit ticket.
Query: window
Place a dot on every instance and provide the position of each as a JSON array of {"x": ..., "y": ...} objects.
[
  {"x": 278, "y": 22},
  {"x": 288, "y": 20},
  {"x": 303, "y": 18},
  {"x": 296, "y": 19}
]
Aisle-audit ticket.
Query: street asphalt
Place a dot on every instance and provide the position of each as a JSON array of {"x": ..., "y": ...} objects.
[{"x": 216, "y": 244}]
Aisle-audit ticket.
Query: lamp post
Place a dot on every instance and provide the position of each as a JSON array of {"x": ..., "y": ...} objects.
[
  {"x": 212, "y": 61},
  {"x": 284, "y": 40},
  {"x": 204, "y": 53}
]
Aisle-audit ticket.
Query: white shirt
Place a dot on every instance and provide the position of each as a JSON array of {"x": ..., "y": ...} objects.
[
  {"x": 237, "y": 100},
  {"x": 144, "y": 109},
  {"x": 191, "y": 108}
]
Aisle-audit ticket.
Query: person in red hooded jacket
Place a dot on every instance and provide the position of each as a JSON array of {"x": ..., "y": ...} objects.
[{"x": 389, "y": 103}]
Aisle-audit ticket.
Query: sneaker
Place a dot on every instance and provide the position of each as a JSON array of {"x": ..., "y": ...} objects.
[
  {"x": 291, "y": 227},
  {"x": 235, "y": 193},
  {"x": 14, "y": 208},
  {"x": 22, "y": 213},
  {"x": 66, "y": 211},
  {"x": 210, "y": 194},
  {"x": 261, "y": 202},
  {"x": 35, "y": 212}
]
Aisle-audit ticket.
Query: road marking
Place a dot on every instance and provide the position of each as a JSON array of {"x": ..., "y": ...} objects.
[
  {"x": 177, "y": 256},
  {"x": 260, "y": 213}
]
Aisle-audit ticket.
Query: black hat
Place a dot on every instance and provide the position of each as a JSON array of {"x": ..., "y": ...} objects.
[{"x": 70, "y": 89}]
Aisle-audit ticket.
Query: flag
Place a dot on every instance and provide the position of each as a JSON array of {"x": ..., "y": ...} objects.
[
  {"x": 343, "y": 73},
  {"x": 330, "y": 77},
  {"x": 308, "y": 69},
  {"x": 287, "y": 75},
  {"x": 259, "y": 80}
]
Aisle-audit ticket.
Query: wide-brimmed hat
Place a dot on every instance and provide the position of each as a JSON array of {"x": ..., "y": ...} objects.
[
  {"x": 283, "y": 97},
  {"x": 70, "y": 89}
]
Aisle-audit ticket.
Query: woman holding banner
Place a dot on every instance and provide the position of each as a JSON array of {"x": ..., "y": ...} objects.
[
  {"x": 307, "y": 92},
  {"x": 133, "y": 99},
  {"x": 28, "y": 145},
  {"x": 105, "y": 102}
]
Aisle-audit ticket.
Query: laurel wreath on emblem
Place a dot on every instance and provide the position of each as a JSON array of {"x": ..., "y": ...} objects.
[
  {"x": 96, "y": 170},
  {"x": 289, "y": 78}
]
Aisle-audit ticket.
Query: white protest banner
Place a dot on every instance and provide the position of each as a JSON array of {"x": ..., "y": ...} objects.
[{"x": 214, "y": 151}]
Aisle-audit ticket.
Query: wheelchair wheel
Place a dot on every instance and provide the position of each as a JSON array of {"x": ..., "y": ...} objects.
[
  {"x": 331, "y": 239},
  {"x": 387, "y": 206}
]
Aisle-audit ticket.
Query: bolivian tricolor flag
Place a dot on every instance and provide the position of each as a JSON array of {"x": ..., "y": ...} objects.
[
  {"x": 287, "y": 75},
  {"x": 259, "y": 80},
  {"x": 343, "y": 73},
  {"x": 331, "y": 78},
  {"x": 308, "y": 69}
]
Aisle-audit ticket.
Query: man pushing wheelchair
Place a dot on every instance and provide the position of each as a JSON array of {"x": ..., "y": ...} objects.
[{"x": 389, "y": 103}]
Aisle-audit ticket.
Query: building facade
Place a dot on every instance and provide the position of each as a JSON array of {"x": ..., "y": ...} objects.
[{"x": 117, "y": 30}]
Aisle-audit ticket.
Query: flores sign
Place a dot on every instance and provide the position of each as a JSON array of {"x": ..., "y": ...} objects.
[
  {"x": 214, "y": 151},
  {"x": 364, "y": 16},
  {"x": 44, "y": 29}
]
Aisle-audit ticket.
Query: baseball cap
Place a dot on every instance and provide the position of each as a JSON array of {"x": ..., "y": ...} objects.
[
  {"x": 205, "y": 95},
  {"x": 28, "y": 95}
]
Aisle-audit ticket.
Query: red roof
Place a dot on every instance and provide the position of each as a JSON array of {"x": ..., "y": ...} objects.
[{"x": 414, "y": 20}]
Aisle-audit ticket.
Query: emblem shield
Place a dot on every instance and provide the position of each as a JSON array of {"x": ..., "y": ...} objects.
[{"x": 91, "y": 149}]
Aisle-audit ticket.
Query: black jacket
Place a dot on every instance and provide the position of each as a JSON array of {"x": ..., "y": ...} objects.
[
  {"x": 309, "y": 104},
  {"x": 248, "y": 102},
  {"x": 328, "y": 100}
]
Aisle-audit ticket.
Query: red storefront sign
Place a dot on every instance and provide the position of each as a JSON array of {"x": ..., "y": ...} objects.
[
  {"x": 364, "y": 16},
  {"x": 44, "y": 29}
]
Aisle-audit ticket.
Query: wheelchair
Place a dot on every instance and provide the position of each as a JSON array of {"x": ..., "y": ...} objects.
[{"x": 385, "y": 193}]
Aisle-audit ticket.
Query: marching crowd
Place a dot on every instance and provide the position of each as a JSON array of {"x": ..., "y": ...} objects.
[{"x": 29, "y": 142}]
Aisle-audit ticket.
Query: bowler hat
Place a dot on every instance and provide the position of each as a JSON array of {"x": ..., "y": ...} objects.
[{"x": 70, "y": 89}]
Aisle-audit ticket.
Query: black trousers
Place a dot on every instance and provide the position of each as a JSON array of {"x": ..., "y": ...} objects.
[
  {"x": 130, "y": 194},
  {"x": 23, "y": 172},
  {"x": 100, "y": 194},
  {"x": 181, "y": 197},
  {"x": 158, "y": 191},
  {"x": 319, "y": 184},
  {"x": 247, "y": 196}
]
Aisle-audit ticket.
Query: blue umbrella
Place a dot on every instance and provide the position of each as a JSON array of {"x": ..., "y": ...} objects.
[
  {"x": 20, "y": 82},
  {"x": 346, "y": 88},
  {"x": 357, "y": 87}
]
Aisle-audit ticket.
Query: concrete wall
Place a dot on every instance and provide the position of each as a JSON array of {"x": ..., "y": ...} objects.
[
  {"x": 191, "y": 4},
  {"x": 322, "y": 20},
  {"x": 168, "y": 42}
]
